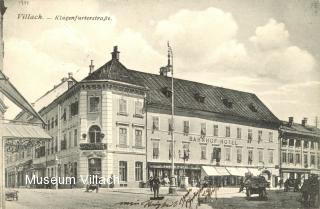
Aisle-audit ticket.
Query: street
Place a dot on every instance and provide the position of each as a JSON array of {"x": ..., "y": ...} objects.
[{"x": 139, "y": 198}]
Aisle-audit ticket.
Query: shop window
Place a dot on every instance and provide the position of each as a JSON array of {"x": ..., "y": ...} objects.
[
  {"x": 250, "y": 157},
  {"x": 155, "y": 123},
  {"x": 138, "y": 138},
  {"x": 270, "y": 136},
  {"x": 123, "y": 106},
  {"x": 138, "y": 108},
  {"x": 238, "y": 133},
  {"x": 259, "y": 136},
  {"x": 249, "y": 135},
  {"x": 215, "y": 130},
  {"x": 122, "y": 136},
  {"x": 228, "y": 153},
  {"x": 95, "y": 134},
  {"x": 186, "y": 127},
  {"x": 270, "y": 157},
  {"x": 155, "y": 150},
  {"x": 260, "y": 156},
  {"x": 239, "y": 155},
  {"x": 227, "y": 131},
  {"x": 139, "y": 171},
  {"x": 203, "y": 152},
  {"x": 123, "y": 169},
  {"x": 94, "y": 103},
  {"x": 298, "y": 160},
  {"x": 203, "y": 130}
]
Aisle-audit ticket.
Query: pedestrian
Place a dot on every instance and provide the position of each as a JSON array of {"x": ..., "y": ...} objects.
[
  {"x": 151, "y": 183},
  {"x": 281, "y": 183},
  {"x": 111, "y": 185},
  {"x": 155, "y": 186},
  {"x": 241, "y": 185}
]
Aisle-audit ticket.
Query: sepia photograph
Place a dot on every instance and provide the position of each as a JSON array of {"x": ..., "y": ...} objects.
[{"x": 159, "y": 104}]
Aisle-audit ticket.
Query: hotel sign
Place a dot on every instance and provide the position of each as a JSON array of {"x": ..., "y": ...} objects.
[{"x": 203, "y": 139}]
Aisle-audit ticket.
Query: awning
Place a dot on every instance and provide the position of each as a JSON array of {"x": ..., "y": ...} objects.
[
  {"x": 14, "y": 95},
  {"x": 254, "y": 171},
  {"x": 234, "y": 171},
  {"x": 23, "y": 131},
  {"x": 210, "y": 171},
  {"x": 243, "y": 171},
  {"x": 315, "y": 172},
  {"x": 222, "y": 171}
]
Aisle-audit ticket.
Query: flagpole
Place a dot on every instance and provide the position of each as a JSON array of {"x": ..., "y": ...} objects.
[{"x": 172, "y": 187}]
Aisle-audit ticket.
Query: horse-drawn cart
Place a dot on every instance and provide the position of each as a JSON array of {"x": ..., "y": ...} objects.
[
  {"x": 12, "y": 195},
  {"x": 256, "y": 185}
]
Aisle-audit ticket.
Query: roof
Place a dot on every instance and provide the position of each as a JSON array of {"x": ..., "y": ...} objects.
[
  {"x": 24, "y": 131},
  {"x": 297, "y": 128},
  {"x": 243, "y": 104},
  {"x": 15, "y": 96}
]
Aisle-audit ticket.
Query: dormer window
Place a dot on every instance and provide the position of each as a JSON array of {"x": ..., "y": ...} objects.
[
  {"x": 227, "y": 102},
  {"x": 200, "y": 98},
  {"x": 166, "y": 91},
  {"x": 252, "y": 107}
]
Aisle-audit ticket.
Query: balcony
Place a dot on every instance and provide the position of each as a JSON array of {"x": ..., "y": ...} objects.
[{"x": 93, "y": 146}]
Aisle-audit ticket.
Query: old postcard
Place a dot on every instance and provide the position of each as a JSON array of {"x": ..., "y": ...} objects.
[{"x": 159, "y": 104}]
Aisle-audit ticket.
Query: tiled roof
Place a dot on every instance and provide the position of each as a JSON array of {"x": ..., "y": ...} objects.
[
  {"x": 216, "y": 99},
  {"x": 300, "y": 129}
]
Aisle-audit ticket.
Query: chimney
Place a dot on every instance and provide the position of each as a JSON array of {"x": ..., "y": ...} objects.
[
  {"x": 304, "y": 121},
  {"x": 70, "y": 75},
  {"x": 91, "y": 67},
  {"x": 290, "y": 121},
  {"x": 115, "y": 53},
  {"x": 64, "y": 79}
]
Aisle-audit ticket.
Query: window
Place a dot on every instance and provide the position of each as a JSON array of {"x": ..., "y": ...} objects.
[
  {"x": 56, "y": 121},
  {"x": 122, "y": 136},
  {"x": 291, "y": 142},
  {"x": 290, "y": 157},
  {"x": 250, "y": 157},
  {"x": 48, "y": 125},
  {"x": 270, "y": 157},
  {"x": 259, "y": 136},
  {"x": 52, "y": 146},
  {"x": 284, "y": 157},
  {"x": 138, "y": 173},
  {"x": 138, "y": 108},
  {"x": 215, "y": 130},
  {"x": 228, "y": 153},
  {"x": 52, "y": 122},
  {"x": 138, "y": 138},
  {"x": 64, "y": 142},
  {"x": 186, "y": 127},
  {"x": 122, "y": 106},
  {"x": 305, "y": 144},
  {"x": 170, "y": 125},
  {"x": 74, "y": 108},
  {"x": 203, "y": 129},
  {"x": 228, "y": 131},
  {"x": 216, "y": 154},
  {"x": 203, "y": 152},
  {"x": 305, "y": 157},
  {"x": 249, "y": 135},
  {"x": 239, "y": 133},
  {"x": 298, "y": 161},
  {"x": 270, "y": 136},
  {"x": 94, "y": 103},
  {"x": 312, "y": 160},
  {"x": 56, "y": 147},
  {"x": 95, "y": 134},
  {"x": 70, "y": 139},
  {"x": 298, "y": 143},
  {"x": 123, "y": 170},
  {"x": 239, "y": 155},
  {"x": 260, "y": 156},
  {"x": 64, "y": 115},
  {"x": 155, "y": 123},
  {"x": 312, "y": 145},
  {"x": 155, "y": 150},
  {"x": 75, "y": 137},
  {"x": 284, "y": 142}
]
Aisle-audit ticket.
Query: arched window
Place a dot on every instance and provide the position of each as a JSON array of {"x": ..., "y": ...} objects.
[{"x": 95, "y": 134}]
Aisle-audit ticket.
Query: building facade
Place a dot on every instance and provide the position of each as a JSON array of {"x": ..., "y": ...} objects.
[
  {"x": 117, "y": 122},
  {"x": 300, "y": 149}
]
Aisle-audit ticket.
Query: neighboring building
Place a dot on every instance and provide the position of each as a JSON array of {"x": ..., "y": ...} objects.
[
  {"x": 300, "y": 149},
  {"x": 105, "y": 124}
]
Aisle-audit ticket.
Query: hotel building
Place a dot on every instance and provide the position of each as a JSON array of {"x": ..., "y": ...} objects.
[
  {"x": 300, "y": 149},
  {"x": 116, "y": 121}
]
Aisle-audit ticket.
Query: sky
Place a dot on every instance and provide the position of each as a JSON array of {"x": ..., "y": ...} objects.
[{"x": 269, "y": 48}]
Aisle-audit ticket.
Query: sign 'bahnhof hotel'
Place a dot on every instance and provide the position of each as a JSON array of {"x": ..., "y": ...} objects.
[{"x": 117, "y": 121}]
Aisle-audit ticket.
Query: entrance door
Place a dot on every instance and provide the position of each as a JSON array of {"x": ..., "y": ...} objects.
[{"x": 94, "y": 165}]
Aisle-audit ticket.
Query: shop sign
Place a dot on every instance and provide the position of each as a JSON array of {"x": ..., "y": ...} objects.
[{"x": 203, "y": 139}]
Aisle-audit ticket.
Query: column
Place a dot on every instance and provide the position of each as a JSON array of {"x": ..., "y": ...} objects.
[{"x": 109, "y": 134}]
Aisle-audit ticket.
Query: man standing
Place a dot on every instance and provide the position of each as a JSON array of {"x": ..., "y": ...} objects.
[{"x": 156, "y": 186}]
